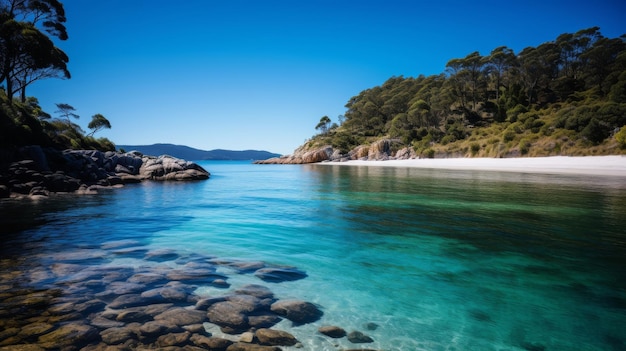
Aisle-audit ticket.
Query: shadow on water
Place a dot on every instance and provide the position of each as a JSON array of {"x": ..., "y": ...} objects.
[{"x": 64, "y": 221}]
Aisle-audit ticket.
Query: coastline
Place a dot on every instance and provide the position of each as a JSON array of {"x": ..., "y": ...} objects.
[{"x": 582, "y": 165}]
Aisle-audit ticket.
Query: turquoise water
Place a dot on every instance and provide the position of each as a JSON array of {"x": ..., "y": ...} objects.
[{"x": 438, "y": 260}]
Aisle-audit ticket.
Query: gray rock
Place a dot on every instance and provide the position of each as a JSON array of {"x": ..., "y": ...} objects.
[
  {"x": 358, "y": 337},
  {"x": 161, "y": 255},
  {"x": 282, "y": 274},
  {"x": 299, "y": 312},
  {"x": 273, "y": 337},
  {"x": 263, "y": 321},
  {"x": 129, "y": 300},
  {"x": 147, "y": 278},
  {"x": 133, "y": 315},
  {"x": 259, "y": 291},
  {"x": 228, "y": 314},
  {"x": 156, "y": 328},
  {"x": 205, "y": 303},
  {"x": 181, "y": 316}
]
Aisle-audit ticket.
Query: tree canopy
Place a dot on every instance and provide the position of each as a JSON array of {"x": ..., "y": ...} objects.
[{"x": 27, "y": 53}]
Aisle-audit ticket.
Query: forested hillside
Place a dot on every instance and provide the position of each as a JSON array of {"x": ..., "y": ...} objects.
[{"x": 564, "y": 97}]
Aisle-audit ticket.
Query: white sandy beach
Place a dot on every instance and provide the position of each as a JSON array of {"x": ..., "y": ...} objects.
[{"x": 590, "y": 165}]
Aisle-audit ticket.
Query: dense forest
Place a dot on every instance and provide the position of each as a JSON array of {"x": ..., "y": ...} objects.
[
  {"x": 27, "y": 55},
  {"x": 564, "y": 97}
]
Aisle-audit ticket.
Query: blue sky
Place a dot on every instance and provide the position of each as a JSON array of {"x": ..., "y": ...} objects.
[{"x": 260, "y": 74}]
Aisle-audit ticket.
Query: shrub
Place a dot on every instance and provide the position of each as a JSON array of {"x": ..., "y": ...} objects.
[
  {"x": 620, "y": 136},
  {"x": 595, "y": 131},
  {"x": 509, "y": 135},
  {"x": 474, "y": 148},
  {"x": 429, "y": 153},
  {"x": 524, "y": 146}
]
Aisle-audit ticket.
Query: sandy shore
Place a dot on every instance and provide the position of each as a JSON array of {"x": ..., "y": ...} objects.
[{"x": 591, "y": 165}]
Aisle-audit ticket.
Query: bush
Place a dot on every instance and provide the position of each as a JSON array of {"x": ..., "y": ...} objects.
[
  {"x": 474, "y": 148},
  {"x": 620, "y": 136},
  {"x": 515, "y": 112},
  {"x": 524, "y": 146},
  {"x": 595, "y": 131},
  {"x": 509, "y": 135},
  {"x": 429, "y": 153}
]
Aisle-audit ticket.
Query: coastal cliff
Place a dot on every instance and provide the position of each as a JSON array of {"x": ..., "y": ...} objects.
[{"x": 36, "y": 171}]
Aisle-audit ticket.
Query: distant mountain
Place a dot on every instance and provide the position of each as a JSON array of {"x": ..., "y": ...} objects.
[{"x": 189, "y": 153}]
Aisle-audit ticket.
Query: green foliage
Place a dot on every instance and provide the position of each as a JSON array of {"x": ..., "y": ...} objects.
[
  {"x": 620, "y": 136},
  {"x": 595, "y": 131},
  {"x": 26, "y": 124},
  {"x": 524, "y": 146},
  {"x": 27, "y": 54},
  {"x": 97, "y": 123},
  {"x": 474, "y": 148}
]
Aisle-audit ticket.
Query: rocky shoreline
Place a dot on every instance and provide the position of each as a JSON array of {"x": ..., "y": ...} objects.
[
  {"x": 83, "y": 300},
  {"x": 36, "y": 171},
  {"x": 381, "y": 150}
]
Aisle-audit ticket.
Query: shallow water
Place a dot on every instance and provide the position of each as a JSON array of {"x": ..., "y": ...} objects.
[{"x": 436, "y": 259}]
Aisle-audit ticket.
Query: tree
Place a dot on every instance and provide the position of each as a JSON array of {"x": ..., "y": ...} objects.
[
  {"x": 323, "y": 124},
  {"x": 499, "y": 61},
  {"x": 98, "y": 122},
  {"x": 66, "y": 111},
  {"x": 26, "y": 53}
]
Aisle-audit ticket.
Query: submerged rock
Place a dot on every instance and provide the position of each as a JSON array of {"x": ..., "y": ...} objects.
[
  {"x": 299, "y": 312},
  {"x": 282, "y": 274},
  {"x": 332, "y": 331},
  {"x": 273, "y": 337},
  {"x": 358, "y": 337}
]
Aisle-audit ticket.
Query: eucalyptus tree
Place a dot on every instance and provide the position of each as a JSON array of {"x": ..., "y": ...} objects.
[
  {"x": 98, "y": 122},
  {"x": 26, "y": 51},
  {"x": 323, "y": 124},
  {"x": 66, "y": 111},
  {"x": 500, "y": 61}
]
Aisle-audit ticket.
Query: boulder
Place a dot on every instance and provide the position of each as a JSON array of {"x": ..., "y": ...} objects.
[
  {"x": 275, "y": 337},
  {"x": 181, "y": 316},
  {"x": 210, "y": 343},
  {"x": 228, "y": 314},
  {"x": 299, "y": 312},
  {"x": 115, "y": 336},
  {"x": 277, "y": 275},
  {"x": 332, "y": 331},
  {"x": 71, "y": 334},
  {"x": 173, "y": 339},
  {"x": 357, "y": 337},
  {"x": 255, "y": 290}
]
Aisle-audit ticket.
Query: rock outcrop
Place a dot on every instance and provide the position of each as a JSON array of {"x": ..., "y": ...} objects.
[
  {"x": 383, "y": 149},
  {"x": 38, "y": 171}
]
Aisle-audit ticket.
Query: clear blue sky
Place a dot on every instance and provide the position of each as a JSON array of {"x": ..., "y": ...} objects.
[{"x": 241, "y": 75}]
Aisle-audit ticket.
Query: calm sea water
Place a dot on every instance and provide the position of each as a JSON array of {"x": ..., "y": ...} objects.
[{"x": 438, "y": 260}]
